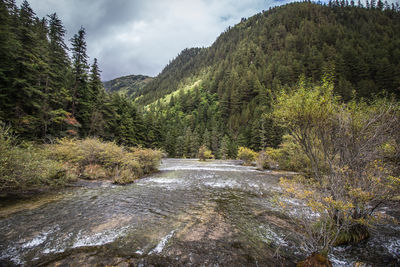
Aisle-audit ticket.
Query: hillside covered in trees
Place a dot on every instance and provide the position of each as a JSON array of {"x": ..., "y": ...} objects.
[
  {"x": 129, "y": 85},
  {"x": 46, "y": 94},
  {"x": 221, "y": 96}
]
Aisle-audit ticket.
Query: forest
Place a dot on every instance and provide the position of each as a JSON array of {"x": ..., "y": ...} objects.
[
  {"x": 46, "y": 94},
  {"x": 218, "y": 96},
  {"x": 305, "y": 87},
  {"x": 221, "y": 96}
]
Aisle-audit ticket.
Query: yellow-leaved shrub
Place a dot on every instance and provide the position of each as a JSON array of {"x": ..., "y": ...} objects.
[
  {"x": 204, "y": 153},
  {"x": 94, "y": 159},
  {"x": 24, "y": 166},
  {"x": 247, "y": 155}
]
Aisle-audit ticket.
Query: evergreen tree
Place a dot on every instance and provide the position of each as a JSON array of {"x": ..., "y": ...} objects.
[
  {"x": 57, "y": 84},
  {"x": 206, "y": 139},
  {"x": 225, "y": 144},
  {"x": 82, "y": 103},
  {"x": 9, "y": 47},
  {"x": 27, "y": 94},
  {"x": 97, "y": 91}
]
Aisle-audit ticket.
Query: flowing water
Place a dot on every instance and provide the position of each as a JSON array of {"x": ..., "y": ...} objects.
[{"x": 191, "y": 213}]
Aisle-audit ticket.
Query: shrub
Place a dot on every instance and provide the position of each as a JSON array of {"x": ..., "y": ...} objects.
[
  {"x": 26, "y": 167},
  {"x": 94, "y": 172},
  {"x": 94, "y": 159},
  {"x": 347, "y": 146},
  {"x": 124, "y": 176},
  {"x": 288, "y": 156},
  {"x": 247, "y": 155},
  {"x": 264, "y": 161},
  {"x": 29, "y": 166},
  {"x": 148, "y": 159},
  {"x": 205, "y": 153}
]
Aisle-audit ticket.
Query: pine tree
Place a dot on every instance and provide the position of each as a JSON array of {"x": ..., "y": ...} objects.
[
  {"x": 97, "y": 91},
  {"x": 44, "y": 73},
  {"x": 224, "y": 151},
  {"x": 57, "y": 87},
  {"x": 206, "y": 139},
  {"x": 81, "y": 105},
  {"x": 195, "y": 144},
  {"x": 9, "y": 47},
  {"x": 215, "y": 139},
  {"x": 28, "y": 96}
]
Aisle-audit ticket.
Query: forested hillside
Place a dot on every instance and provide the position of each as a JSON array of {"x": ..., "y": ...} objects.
[
  {"x": 129, "y": 85},
  {"x": 45, "y": 94},
  {"x": 220, "y": 96}
]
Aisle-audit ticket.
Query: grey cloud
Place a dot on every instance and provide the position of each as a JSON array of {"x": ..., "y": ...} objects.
[{"x": 141, "y": 37}]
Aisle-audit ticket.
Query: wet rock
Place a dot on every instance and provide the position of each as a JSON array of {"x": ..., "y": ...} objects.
[{"x": 315, "y": 260}]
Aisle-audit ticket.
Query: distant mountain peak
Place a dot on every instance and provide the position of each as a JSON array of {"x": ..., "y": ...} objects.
[{"x": 129, "y": 85}]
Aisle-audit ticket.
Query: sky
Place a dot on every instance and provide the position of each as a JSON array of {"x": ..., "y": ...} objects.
[{"x": 142, "y": 36}]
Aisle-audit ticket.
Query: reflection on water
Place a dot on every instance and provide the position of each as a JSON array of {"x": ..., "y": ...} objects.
[{"x": 190, "y": 213}]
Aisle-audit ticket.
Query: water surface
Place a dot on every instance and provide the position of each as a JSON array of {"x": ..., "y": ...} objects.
[{"x": 191, "y": 213}]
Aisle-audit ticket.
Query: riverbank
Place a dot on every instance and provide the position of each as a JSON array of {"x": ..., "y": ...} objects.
[{"x": 26, "y": 168}]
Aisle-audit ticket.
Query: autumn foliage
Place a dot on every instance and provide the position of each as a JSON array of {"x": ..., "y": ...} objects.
[
  {"x": 94, "y": 159},
  {"x": 346, "y": 145},
  {"x": 247, "y": 155}
]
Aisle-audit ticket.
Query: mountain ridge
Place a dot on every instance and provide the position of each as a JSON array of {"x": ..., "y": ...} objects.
[
  {"x": 128, "y": 84},
  {"x": 304, "y": 42},
  {"x": 271, "y": 51}
]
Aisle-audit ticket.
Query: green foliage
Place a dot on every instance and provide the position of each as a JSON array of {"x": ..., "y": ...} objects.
[
  {"x": 288, "y": 156},
  {"x": 249, "y": 63},
  {"x": 26, "y": 166},
  {"x": 130, "y": 85},
  {"x": 345, "y": 144},
  {"x": 205, "y": 153},
  {"x": 46, "y": 95},
  {"x": 247, "y": 155},
  {"x": 149, "y": 159},
  {"x": 93, "y": 159}
]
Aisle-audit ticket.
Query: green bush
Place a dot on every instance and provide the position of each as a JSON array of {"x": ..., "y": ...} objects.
[
  {"x": 148, "y": 159},
  {"x": 247, "y": 155},
  {"x": 93, "y": 159},
  {"x": 287, "y": 157},
  {"x": 264, "y": 161},
  {"x": 26, "y": 167},
  {"x": 125, "y": 175},
  {"x": 205, "y": 153}
]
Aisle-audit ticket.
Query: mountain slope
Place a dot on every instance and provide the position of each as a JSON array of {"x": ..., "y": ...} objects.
[
  {"x": 130, "y": 85},
  {"x": 360, "y": 45},
  {"x": 224, "y": 92}
]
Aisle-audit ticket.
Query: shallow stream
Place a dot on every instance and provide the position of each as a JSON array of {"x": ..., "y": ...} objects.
[{"x": 191, "y": 213}]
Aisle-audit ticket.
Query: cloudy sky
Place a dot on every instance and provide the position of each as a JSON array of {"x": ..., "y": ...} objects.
[{"x": 142, "y": 36}]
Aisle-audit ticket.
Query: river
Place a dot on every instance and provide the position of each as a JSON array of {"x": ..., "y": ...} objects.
[{"x": 191, "y": 213}]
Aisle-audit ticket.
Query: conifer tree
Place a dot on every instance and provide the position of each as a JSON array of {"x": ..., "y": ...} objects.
[
  {"x": 96, "y": 89},
  {"x": 224, "y": 151},
  {"x": 9, "y": 47},
  {"x": 27, "y": 96},
  {"x": 81, "y": 105},
  {"x": 58, "y": 82}
]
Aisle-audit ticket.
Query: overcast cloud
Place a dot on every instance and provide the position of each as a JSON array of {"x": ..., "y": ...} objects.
[{"x": 141, "y": 37}]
